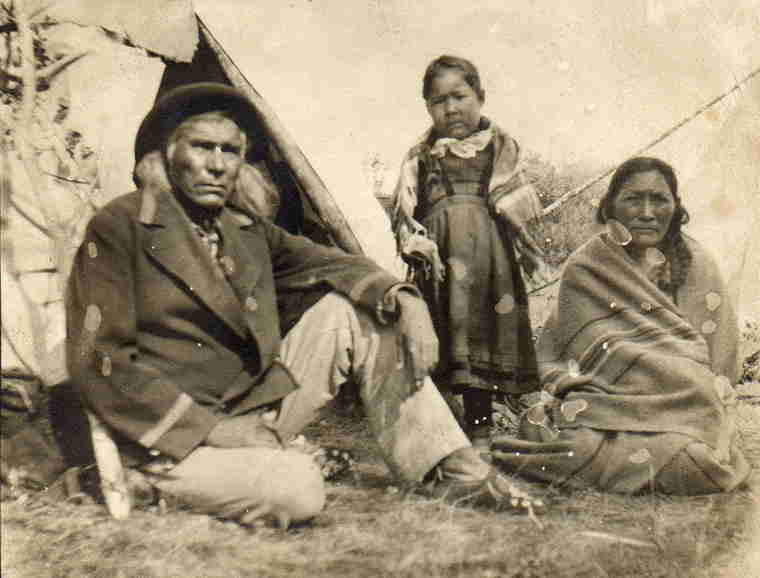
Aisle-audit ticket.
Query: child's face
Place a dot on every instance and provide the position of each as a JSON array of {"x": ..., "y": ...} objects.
[{"x": 453, "y": 105}]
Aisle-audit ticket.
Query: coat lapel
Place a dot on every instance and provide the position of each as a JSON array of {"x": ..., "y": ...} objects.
[
  {"x": 243, "y": 254},
  {"x": 170, "y": 240}
]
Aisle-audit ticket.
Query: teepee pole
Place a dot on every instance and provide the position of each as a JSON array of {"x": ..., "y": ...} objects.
[
  {"x": 587, "y": 185},
  {"x": 324, "y": 203}
]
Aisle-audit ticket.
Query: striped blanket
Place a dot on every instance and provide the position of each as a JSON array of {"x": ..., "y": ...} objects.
[{"x": 637, "y": 389}]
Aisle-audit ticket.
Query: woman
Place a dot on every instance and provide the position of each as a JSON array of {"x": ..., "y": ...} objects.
[
  {"x": 638, "y": 359},
  {"x": 462, "y": 218}
]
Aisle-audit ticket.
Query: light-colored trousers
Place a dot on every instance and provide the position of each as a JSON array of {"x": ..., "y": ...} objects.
[{"x": 332, "y": 343}]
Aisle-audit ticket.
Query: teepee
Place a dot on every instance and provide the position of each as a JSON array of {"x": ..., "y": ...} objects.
[{"x": 85, "y": 73}]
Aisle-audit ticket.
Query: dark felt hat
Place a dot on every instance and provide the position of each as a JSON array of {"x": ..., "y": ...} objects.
[{"x": 190, "y": 99}]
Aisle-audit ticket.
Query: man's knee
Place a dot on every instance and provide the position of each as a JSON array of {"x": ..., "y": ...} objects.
[
  {"x": 326, "y": 343},
  {"x": 257, "y": 483},
  {"x": 293, "y": 486}
]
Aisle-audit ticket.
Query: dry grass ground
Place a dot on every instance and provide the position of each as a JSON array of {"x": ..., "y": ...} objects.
[{"x": 370, "y": 529}]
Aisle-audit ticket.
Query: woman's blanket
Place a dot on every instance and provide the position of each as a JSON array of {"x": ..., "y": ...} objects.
[{"x": 624, "y": 367}]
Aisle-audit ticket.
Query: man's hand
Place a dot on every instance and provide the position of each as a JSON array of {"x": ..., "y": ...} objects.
[
  {"x": 420, "y": 341},
  {"x": 243, "y": 431}
]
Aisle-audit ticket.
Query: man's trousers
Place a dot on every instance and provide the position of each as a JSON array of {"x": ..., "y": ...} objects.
[{"x": 332, "y": 344}]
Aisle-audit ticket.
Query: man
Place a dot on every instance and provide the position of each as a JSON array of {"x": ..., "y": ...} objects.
[{"x": 174, "y": 337}]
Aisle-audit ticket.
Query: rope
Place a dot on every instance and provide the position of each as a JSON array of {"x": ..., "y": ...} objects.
[{"x": 573, "y": 193}]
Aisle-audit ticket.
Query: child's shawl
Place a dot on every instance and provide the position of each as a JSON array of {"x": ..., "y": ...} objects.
[{"x": 515, "y": 197}]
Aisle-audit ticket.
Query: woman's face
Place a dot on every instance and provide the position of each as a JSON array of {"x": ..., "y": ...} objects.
[
  {"x": 645, "y": 205},
  {"x": 453, "y": 105}
]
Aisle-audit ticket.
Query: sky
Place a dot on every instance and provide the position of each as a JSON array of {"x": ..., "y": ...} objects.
[
  {"x": 587, "y": 82},
  {"x": 582, "y": 81}
]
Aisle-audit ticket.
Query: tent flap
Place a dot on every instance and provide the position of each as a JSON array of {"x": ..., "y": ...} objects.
[{"x": 165, "y": 27}]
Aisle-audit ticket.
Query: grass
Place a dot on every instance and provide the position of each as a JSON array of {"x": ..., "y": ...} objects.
[{"x": 369, "y": 528}]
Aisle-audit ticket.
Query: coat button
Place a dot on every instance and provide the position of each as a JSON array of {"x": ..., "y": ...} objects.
[{"x": 251, "y": 304}]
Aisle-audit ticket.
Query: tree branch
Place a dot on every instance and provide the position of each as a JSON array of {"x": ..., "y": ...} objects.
[
  {"x": 67, "y": 179},
  {"x": 42, "y": 227},
  {"x": 44, "y": 75},
  {"x": 52, "y": 70}
]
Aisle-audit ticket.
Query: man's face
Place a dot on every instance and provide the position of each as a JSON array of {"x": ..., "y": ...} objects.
[{"x": 204, "y": 155}]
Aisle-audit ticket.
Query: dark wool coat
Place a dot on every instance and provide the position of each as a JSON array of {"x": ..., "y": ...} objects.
[{"x": 164, "y": 342}]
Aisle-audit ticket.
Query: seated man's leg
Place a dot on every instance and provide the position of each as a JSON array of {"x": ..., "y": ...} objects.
[
  {"x": 416, "y": 431},
  {"x": 333, "y": 342},
  {"x": 247, "y": 483}
]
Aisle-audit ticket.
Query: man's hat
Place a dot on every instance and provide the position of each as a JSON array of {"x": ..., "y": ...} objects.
[{"x": 190, "y": 99}]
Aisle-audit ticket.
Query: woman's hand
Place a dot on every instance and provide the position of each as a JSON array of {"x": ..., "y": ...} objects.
[{"x": 420, "y": 340}]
